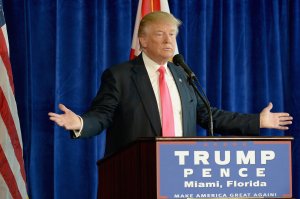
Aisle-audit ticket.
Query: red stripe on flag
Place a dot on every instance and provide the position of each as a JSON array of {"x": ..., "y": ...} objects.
[
  {"x": 8, "y": 176},
  {"x": 150, "y": 6},
  {"x": 12, "y": 131},
  {"x": 5, "y": 59},
  {"x": 156, "y": 5},
  {"x": 132, "y": 56}
]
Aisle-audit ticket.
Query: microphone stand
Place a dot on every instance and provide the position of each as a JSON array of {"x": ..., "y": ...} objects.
[{"x": 192, "y": 79}]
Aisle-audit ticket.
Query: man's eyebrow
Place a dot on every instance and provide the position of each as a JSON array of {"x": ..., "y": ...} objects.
[{"x": 174, "y": 30}]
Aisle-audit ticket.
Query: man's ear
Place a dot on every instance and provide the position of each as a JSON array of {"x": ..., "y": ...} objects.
[{"x": 143, "y": 42}]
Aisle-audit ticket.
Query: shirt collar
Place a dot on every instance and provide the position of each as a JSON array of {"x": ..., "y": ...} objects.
[{"x": 151, "y": 65}]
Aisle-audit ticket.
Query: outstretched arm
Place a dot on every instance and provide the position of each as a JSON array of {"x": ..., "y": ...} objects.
[
  {"x": 271, "y": 120},
  {"x": 68, "y": 120}
]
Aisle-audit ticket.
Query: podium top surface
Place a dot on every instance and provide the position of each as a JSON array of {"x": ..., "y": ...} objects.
[
  {"x": 221, "y": 138},
  {"x": 203, "y": 139}
]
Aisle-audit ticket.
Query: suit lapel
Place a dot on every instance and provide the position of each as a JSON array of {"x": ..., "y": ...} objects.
[
  {"x": 145, "y": 90},
  {"x": 179, "y": 79}
]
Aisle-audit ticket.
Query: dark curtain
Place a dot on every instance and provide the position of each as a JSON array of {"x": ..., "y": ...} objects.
[{"x": 244, "y": 52}]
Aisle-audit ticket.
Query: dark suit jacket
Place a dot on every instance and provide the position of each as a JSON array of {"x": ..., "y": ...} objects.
[{"x": 127, "y": 107}]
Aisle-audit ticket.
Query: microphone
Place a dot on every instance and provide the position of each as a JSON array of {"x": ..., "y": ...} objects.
[{"x": 179, "y": 61}]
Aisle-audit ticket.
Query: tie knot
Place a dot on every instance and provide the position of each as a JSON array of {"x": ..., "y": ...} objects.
[{"x": 162, "y": 70}]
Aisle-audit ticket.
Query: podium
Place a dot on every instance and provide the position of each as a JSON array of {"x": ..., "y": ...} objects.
[{"x": 198, "y": 167}]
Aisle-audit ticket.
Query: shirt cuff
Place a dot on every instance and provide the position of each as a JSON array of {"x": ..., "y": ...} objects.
[{"x": 77, "y": 133}]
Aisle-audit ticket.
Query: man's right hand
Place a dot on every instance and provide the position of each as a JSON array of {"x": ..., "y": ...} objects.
[{"x": 69, "y": 120}]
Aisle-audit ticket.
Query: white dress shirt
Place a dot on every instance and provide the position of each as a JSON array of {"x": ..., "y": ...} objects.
[{"x": 152, "y": 68}]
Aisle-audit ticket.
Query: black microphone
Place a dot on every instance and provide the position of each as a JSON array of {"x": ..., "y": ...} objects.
[{"x": 179, "y": 61}]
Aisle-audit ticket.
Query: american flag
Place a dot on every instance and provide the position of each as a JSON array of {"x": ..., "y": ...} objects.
[
  {"x": 145, "y": 7},
  {"x": 12, "y": 172}
]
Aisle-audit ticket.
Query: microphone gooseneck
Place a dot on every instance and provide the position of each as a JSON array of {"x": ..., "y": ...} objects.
[{"x": 179, "y": 61}]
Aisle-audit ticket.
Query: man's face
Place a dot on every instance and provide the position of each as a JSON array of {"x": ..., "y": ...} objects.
[{"x": 159, "y": 41}]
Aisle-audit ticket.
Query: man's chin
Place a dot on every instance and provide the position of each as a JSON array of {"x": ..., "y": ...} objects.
[{"x": 168, "y": 55}]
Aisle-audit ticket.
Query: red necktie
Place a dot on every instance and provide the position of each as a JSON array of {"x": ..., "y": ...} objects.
[{"x": 167, "y": 116}]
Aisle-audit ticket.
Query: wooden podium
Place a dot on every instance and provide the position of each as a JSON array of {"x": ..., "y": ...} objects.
[{"x": 134, "y": 172}]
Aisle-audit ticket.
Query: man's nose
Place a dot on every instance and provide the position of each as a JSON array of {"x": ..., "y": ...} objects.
[{"x": 167, "y": 38}]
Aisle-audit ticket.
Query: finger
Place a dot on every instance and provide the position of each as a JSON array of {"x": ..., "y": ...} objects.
[
  {"x": 54, "y": 114},
  {"x": 283, "y": 123},
  {"x": 283, "y": 128},
  {"x": 53, "y": 119},
  {"x": 63, "y": 108},
  {"x": 285, "y": 118},
  {"x": 282, "y": 114},
  {"x": 57, "y": 121},
  {"x": 270, "y": 106}
]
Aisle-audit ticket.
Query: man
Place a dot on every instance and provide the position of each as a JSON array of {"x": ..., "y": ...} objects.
[{"x": 129, "y": 101}]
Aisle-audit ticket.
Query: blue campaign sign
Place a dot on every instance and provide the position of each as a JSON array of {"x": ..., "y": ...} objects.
[{"x": 224, "y": 169}]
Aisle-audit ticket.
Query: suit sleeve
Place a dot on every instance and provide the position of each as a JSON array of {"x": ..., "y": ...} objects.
[
  {"x": 228, "y": 123},
  {"x": 101, "y": 113}
]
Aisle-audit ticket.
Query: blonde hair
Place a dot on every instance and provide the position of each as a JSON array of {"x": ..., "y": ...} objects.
[{"x": 157, "y": 16}]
